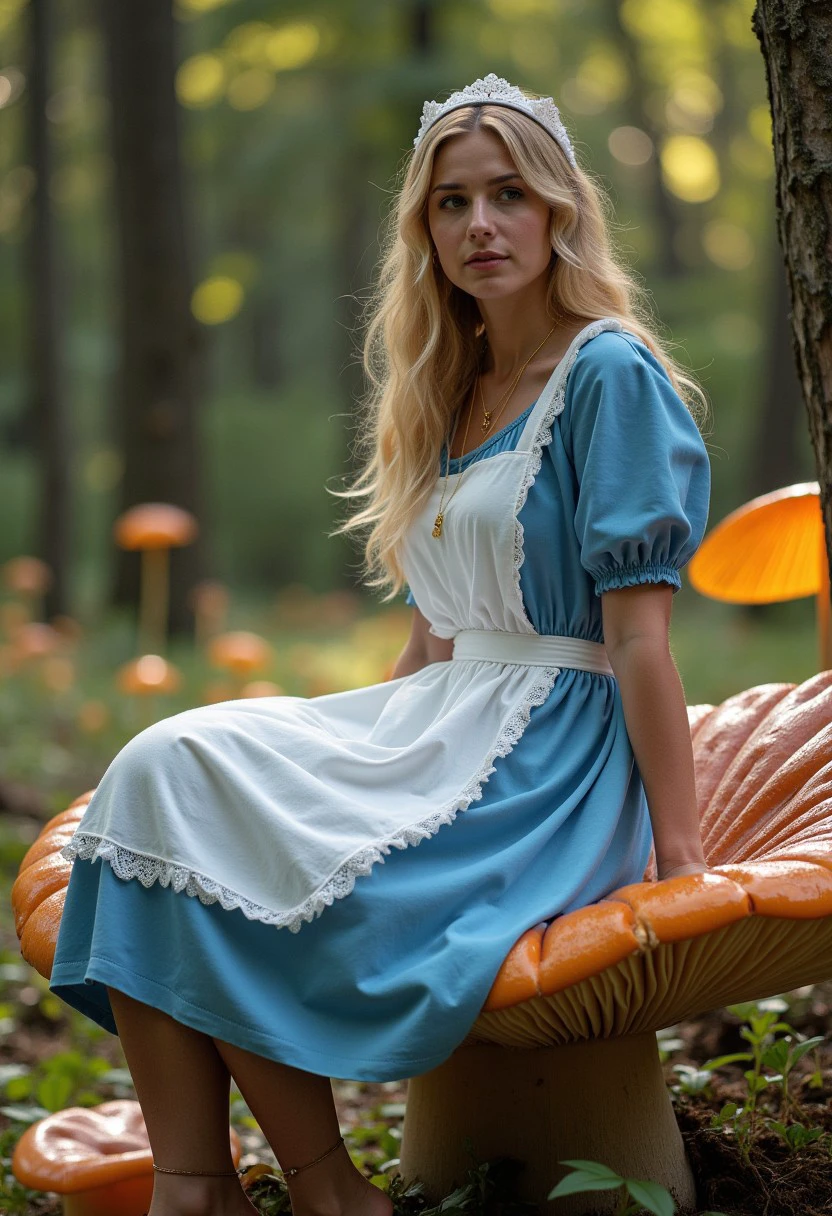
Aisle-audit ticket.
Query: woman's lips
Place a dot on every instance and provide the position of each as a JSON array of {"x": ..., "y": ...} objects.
[{"x": 485, "y": 263}]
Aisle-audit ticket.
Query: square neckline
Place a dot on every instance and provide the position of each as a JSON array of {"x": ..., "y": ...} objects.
[{"x": 458, "y": 460}]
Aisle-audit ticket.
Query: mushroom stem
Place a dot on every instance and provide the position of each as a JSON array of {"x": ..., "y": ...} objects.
[
  {"x": 153, "y": 614},
  {"x": 126, "y": 1197},
  {"x": 604, "y": 1100}
]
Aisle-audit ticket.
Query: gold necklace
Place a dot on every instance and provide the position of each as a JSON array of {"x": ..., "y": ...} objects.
[
  {"x": 440, "y": 518},
  {"x": 486, "y": 414}
]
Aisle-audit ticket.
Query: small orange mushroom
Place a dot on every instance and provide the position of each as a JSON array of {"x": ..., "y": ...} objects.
[
  {"x": 154, "y": 528},
  {"x": 148, "y": 676},
  {"x": 99, "y": 1159},
  {"x": 261, "y": 688},
  {"x": 27, "y": 577},
  {"x": 240, "y": 653},
  {"x": 770, "y": 549},
  {"x": 34, "y": 640}
]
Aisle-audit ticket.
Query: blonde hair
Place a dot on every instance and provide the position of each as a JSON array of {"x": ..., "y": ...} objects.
[{"x": 424, "y": 336}]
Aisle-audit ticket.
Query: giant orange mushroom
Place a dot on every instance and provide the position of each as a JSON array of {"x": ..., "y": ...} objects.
[
  {"x": 770, "y": 549},
  {"x": 562, "y": 1061},
  {"x": 98, "y": 1159},
  {"x": 154, "y": 528}
]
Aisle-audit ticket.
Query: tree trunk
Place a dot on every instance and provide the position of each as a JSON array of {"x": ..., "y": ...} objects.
[
  {"x": 51, "y": 432},
  {"x": 160, "y": 378},
  {"x": 796, "y": 41},
  {"x": 775, "y": 458}
]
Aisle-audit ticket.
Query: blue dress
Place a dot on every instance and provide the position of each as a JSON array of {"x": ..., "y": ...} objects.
[{"x": 389, "y": 980}]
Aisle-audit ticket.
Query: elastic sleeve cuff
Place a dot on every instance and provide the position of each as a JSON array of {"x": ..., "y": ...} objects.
[{"x": 635, "y": 573}]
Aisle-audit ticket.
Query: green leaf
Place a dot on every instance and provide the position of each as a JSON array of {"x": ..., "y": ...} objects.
[
  {"x": 800, "y": 1049},
  {"x": 24, "y": 1114},
  {"x": 594, "y": 1167},
  {"x": 651, "y": 1196},
  {"x": 776, "y": 1056},
  {"x": 733, "y": 1058},
  {"x": 54, "y": 1091},
  {"x": 580, "y": 1181}
]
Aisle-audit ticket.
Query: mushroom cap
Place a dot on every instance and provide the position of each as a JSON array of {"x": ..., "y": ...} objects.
[
  {"x": 759, "y": 922},
  {"x": 27, "y": 575},
  {"x": 34, "y": 640},
  {"x": 240, "y": 652},
  {"x": 768, "y": 550},
  {"x": 155, "y": 525},
  {"x": 82, "y": 1148},
  {"x": 148, "y": 675},
  {"x": 261, "y": 688}
]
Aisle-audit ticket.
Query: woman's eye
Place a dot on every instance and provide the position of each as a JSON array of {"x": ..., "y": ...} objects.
[{"x": 453, "y": 199}]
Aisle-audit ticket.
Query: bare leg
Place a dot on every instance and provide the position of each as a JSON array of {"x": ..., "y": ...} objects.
[
  {"x": 297, "y": 1116},
  {"x": 183, "y": 1088}
]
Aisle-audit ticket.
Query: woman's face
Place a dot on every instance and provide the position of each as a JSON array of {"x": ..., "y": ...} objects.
[{"x": 479, "y": 203}]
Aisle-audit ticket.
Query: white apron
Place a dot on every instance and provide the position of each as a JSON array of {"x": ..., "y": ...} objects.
[{"x": 276, "y": 805}]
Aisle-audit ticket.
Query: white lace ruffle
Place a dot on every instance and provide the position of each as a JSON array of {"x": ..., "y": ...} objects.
[
  {"x": 542, "y": 439},
  {"x": 127, "y": 864}
]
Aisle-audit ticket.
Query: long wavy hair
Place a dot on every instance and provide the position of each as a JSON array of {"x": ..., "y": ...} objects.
[{"x": 424, "y": 337}]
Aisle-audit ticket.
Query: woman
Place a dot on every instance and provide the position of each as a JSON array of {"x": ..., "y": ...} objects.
[{"x": 535, "y": 476}]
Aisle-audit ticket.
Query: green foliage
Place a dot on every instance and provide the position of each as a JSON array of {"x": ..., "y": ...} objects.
[
  {"x": 768, "y": 1052},
  {"x": 488, "y": 1190},
  {"x": 636, "y": 1196},
  {"x": 68, "y": 1078},
  {"x": 17, "y": 1200}
]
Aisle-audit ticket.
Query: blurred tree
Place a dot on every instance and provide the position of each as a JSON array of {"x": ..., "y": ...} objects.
[
  {"x": 50, "y": 424},
  {"x": 161, "y": 346},
  {"x": 796, "y": 42},
  {"x": 775, "y": 457},
  {"x": 665, "y": 219}
]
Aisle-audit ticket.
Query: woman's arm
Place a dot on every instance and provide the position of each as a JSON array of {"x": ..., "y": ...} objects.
[
  {"x": 421, "y": 648},
  {"x": 636, "y": 633}
]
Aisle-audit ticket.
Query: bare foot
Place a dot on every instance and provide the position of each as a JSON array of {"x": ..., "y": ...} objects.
[
  {"x": 199, "y": 1196},
  {"x": 360, "y": 1198}
]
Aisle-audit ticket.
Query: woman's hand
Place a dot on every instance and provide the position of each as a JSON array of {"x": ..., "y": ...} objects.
[{"x": 689, "y": 867}]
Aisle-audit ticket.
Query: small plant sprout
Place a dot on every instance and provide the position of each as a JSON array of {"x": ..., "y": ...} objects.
[
  {"x": 781, "y": 1057},
  {"x": 636, "y": 1196},
  {"x": 796, "y": 1135}
]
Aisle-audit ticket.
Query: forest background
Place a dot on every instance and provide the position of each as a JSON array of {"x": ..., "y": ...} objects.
[{"x": 288, "y": 125}]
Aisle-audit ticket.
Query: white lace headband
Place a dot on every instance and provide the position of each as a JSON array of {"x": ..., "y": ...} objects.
[{"x": 493, "y": 90}]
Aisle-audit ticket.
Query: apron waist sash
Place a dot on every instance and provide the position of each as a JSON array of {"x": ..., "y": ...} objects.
[{"x": 534, "y": 649}]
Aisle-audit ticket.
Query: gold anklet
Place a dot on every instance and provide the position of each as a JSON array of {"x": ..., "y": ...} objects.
[
  {"x": 290, "y": 1173},
  {"x": 163, "y": 1169}
]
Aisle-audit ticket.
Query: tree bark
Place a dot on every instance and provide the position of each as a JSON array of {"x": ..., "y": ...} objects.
[
  {"x": 775, "y": 456},
  {"x": 160, "y": 375},
  {"x": 796, "y": 40},
  {"x": 50, "y": 430}
]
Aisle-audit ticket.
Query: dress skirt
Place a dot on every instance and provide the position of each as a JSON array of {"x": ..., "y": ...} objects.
[{"x": 389, "y": 980}]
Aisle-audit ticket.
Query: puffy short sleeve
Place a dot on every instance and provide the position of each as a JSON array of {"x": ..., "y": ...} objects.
[{"x": 642, "y": 468}]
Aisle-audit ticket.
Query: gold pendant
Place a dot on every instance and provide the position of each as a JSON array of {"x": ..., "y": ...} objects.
[
  {"x": 437, "y": 525},
  {"x": 486, "y": 423}
]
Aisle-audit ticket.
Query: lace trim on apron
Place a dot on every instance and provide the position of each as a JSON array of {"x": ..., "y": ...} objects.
[{"x": 543, "y": 436}]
